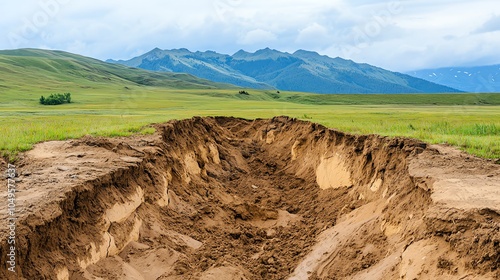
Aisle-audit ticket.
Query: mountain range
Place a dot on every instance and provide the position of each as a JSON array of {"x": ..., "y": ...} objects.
[
  {"x": 469, "y": 79},
  {"x": 304, "y": 71},
  {"x": 46, "y": 69}
]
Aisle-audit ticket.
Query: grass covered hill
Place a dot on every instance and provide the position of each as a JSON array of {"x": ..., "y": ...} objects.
[{"x": 40, "y": 70}]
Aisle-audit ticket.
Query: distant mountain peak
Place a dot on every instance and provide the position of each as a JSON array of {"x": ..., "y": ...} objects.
[
  {"x": 304, "y": 52},
  {"x": 241, "y": 54},
  {"x": 262, "y": 54},
  {"x": 181, "y": 51},
  {"x": 154, "y": 52},
  {"x": 269, "y": 51},
  {"x": 210, "y": 52}
]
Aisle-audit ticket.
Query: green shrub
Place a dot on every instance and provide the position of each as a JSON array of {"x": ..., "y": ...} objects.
[{"x": 56, "y": 99}]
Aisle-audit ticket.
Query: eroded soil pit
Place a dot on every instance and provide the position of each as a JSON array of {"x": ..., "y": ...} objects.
[{"x": 226, "y": 198}]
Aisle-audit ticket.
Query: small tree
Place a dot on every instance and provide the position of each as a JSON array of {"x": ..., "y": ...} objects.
[{"x": 68, "y": 97}]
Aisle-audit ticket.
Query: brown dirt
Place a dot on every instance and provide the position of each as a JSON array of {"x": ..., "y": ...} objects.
[{"x": 226, "y": 198}]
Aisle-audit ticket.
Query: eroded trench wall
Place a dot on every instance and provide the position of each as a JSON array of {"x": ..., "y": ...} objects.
[
  {"x": 94, "y": 220},
  {"x": 97, "y": 219}
]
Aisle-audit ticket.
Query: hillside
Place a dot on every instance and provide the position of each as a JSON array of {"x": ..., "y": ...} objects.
[
  {"x": 469, "y": 79},
  {"x": 301, "y": 71},
  {"x": 44, "y": 69}
]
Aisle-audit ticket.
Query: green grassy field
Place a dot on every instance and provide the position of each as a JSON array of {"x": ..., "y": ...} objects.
[
  {"x": 111, "y": 104},
  {"x": 23, "y": 122}
]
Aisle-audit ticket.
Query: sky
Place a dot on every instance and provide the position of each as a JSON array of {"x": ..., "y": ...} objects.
[{"x": 399, "y": 35}]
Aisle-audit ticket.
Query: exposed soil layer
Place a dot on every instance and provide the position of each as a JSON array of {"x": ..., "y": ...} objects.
[{"x": 226, "y": 198}]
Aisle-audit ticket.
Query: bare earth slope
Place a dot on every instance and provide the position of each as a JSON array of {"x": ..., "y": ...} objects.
[{"x": 225, "y": 198}]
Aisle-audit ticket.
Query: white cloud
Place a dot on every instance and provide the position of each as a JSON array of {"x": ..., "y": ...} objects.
[
  {"x": 491, "y": 25},
  {"x": 314, "y": 35},
  {"x": 257, "y": 36}
]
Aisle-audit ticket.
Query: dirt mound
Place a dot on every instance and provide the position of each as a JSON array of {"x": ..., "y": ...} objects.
[{"x": 225, "y": 198}]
